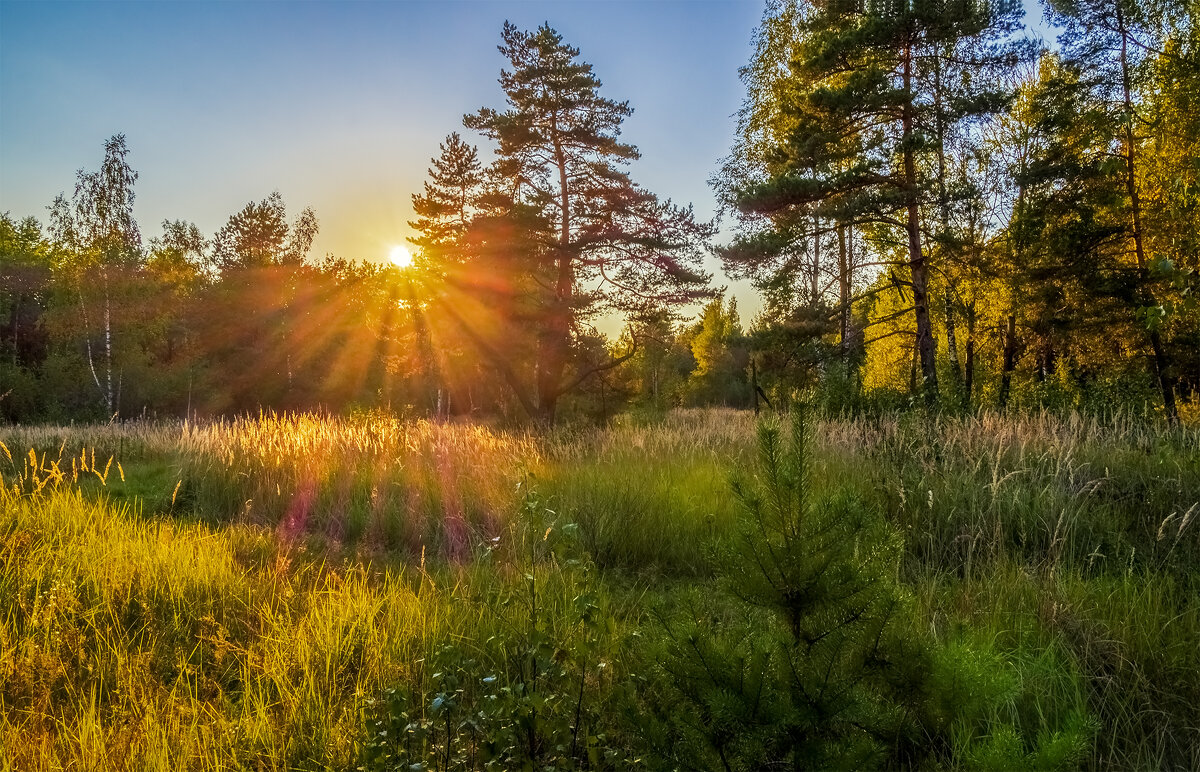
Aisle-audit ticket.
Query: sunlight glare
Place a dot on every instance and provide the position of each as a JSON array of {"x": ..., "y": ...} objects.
[{"x": 400, "y": 256}]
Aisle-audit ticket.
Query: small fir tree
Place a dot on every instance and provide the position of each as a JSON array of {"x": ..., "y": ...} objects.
[{"x": 813, "y": 673}]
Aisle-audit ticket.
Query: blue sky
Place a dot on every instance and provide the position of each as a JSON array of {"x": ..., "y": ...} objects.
[{"x": 339, "y": 106}]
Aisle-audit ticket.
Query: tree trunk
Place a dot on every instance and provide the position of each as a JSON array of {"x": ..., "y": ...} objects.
[
  {"x": 969, "y": 379},
  {"x": 1047, "y": 359},
  {"x": 13, "y": 323},
  {"x": 108, "y": 362},
  {"x": 431, "y": 375},
  {"x": 952, "y": 343},
  {"x": 554, "y": 341},
  {"x": 926, "y": 346},
  {"x": 843, "y": 296},
  {"x": 552, "y": 361},
  {"x": 815, "y": 290},
  {"x": 754, "y": 384},
  {"x": 1010, "y": 360},
  {"x": 944, "y": 221},
  {"x": 912, "y": 370},
  {"x": 496, "y": 358},
  {"x": 1161, "y": 364},
  {"x": 87, "y": 342}
]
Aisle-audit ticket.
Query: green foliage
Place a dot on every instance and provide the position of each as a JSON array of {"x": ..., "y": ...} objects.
[
  {"x": 98, "y": 225},
  {"x": 1002, "y": 711},
  {"x": 445, "y": 208},
  {"x": 660, "y": 519},
  {"x": 534, "y": 694},
  {"x": 719, "y": 350},
  {"x": 852, "y": 107},
  {"x": 258, "y": 236},
  {"x": 589, "y": 238}
]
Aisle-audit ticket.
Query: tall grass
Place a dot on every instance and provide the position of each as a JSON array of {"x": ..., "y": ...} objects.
[
  {"x": 651, "y": 498},
  {"x": 139, "y": 644},
  {"x": 381, "y": 481},
  {"x": 1091, "y": 494},
  {"x": 231, "y": 594},
  {"x": 377, "y": 481}
]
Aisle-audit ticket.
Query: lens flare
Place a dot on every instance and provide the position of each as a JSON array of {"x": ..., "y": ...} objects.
[{"x": 400, "y": 256}]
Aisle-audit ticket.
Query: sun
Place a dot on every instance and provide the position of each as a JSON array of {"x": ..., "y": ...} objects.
[{"x": 400, "y": 256}]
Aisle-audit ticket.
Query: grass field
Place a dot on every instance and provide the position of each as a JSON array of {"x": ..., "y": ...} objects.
[{"x": 283, "y": 592}]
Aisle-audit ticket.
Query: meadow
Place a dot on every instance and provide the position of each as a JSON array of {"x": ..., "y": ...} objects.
[{"x": 367, "y": 592}]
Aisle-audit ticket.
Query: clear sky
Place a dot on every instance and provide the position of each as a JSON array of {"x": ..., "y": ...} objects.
[{"x": 338, "y": 106}]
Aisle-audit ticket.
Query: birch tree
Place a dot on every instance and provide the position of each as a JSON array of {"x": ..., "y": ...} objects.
[{"x": 102, "y": 241}]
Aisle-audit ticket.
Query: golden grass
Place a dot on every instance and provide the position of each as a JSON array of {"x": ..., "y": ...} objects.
[{"x": 228, "y": 594}]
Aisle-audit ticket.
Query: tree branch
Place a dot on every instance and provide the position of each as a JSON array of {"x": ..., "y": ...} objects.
[{"x": 616, "y": 362}]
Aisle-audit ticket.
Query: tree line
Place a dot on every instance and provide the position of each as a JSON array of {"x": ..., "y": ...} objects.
[
  {"x": 935, "y": 209},
  {"x": 972, "y": 218}
]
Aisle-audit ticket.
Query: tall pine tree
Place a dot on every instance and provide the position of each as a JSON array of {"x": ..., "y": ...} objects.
[
  {"x": 1107, "y": 42},
  {"x": 561, "y": 164},
  {"x": 856, "y": 121}
]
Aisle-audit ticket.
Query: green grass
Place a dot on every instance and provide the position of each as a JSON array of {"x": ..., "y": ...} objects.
[{"x": 247, "y": 592}]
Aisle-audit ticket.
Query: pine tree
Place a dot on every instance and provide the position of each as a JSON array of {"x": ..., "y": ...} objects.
[
  {"x": 254, "y": 237},
  {"x": 810, "y": 671},
  {"x": 445, "y": 209},
  {"x": 560, "y": 163},
  {"x": 1106, "y": 42},
  {"x": 1070, "y": 280},
  {"x": 856, "y": 123}
]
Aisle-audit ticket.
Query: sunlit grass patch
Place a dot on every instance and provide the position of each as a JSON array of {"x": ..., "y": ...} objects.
[
  {"x": 127, "y": 639},
  {"x": 243, "y": 594}
]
